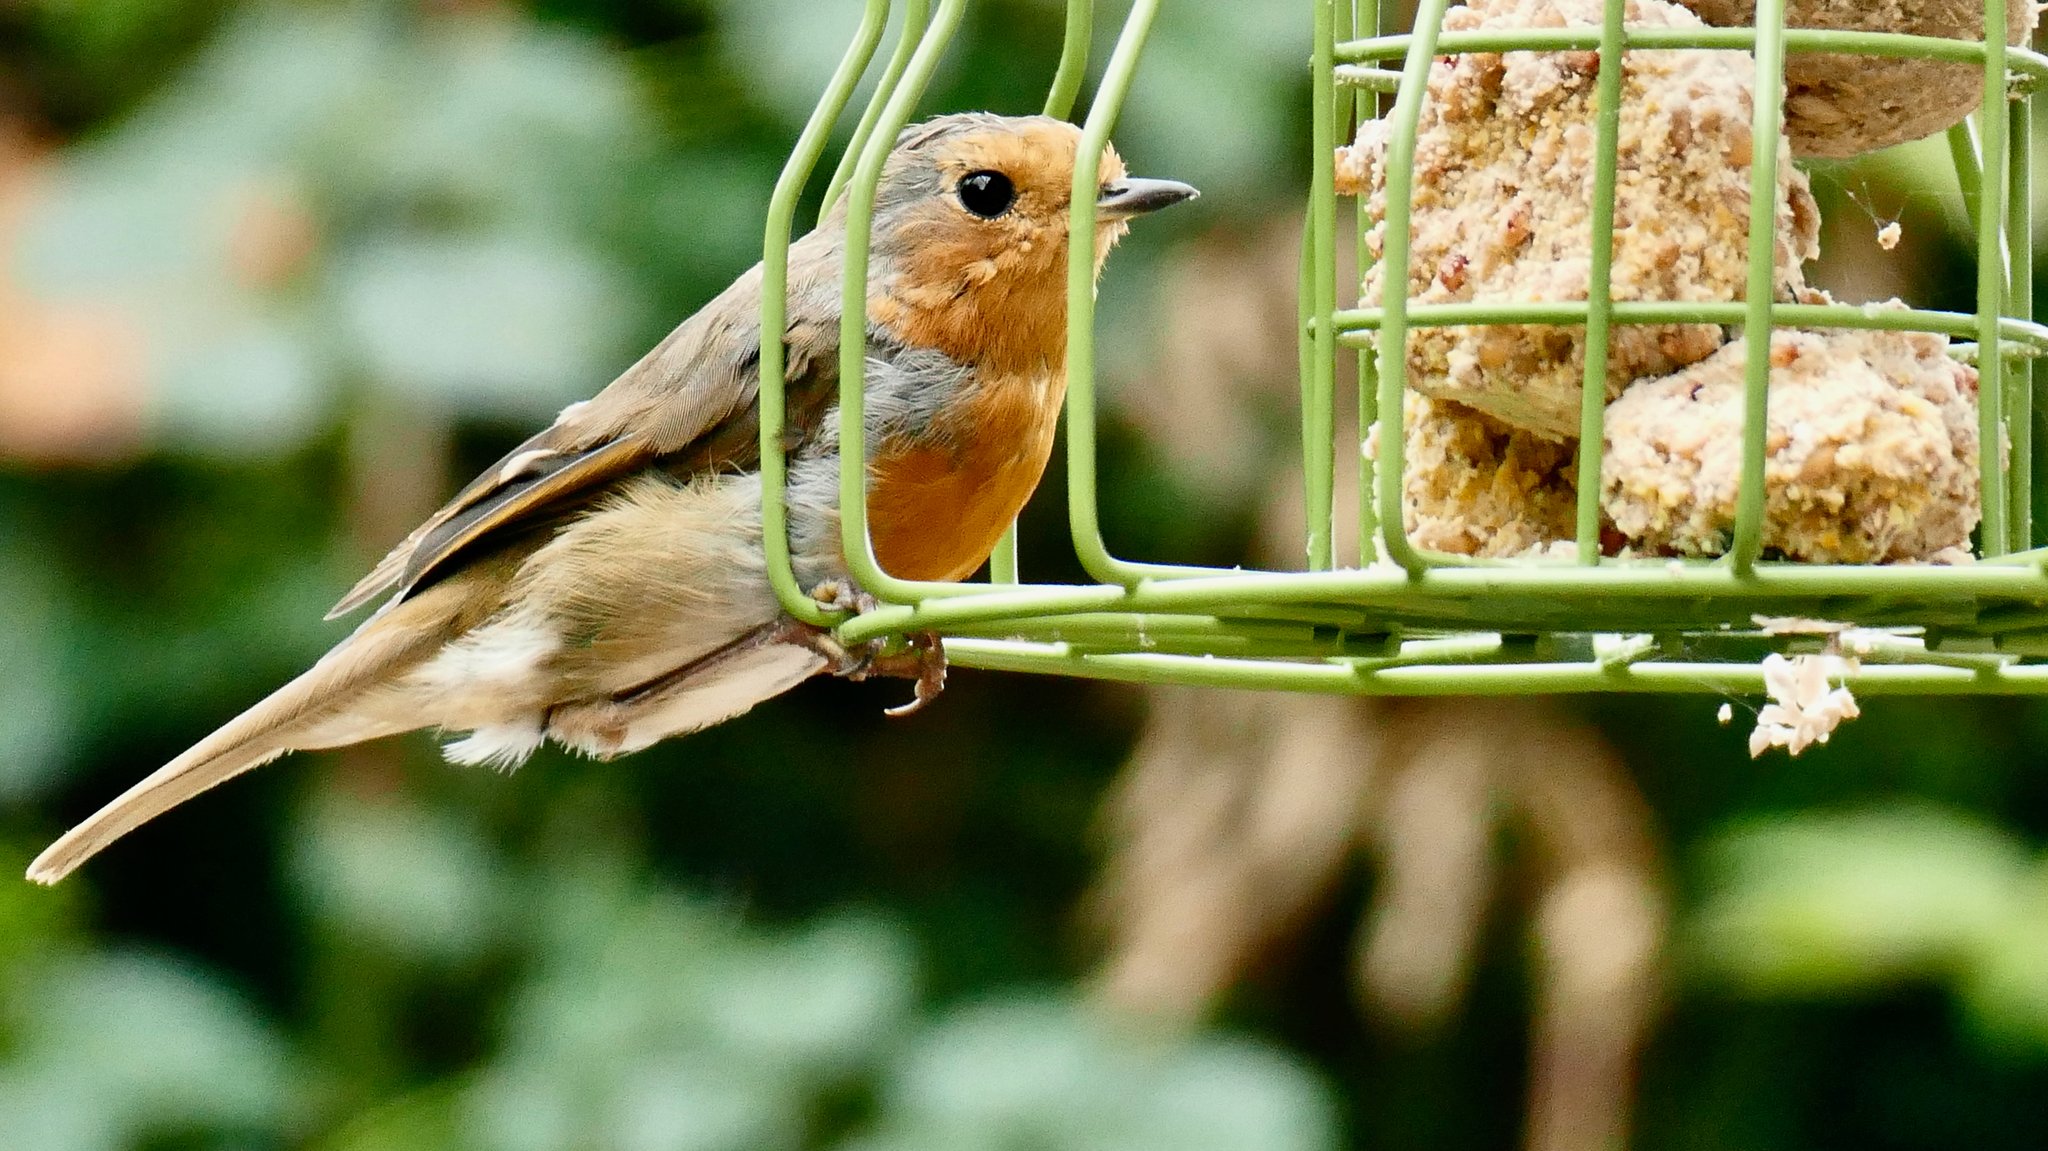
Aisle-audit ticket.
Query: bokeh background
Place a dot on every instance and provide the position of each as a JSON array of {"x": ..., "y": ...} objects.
[{"x": 275, "y": 277}]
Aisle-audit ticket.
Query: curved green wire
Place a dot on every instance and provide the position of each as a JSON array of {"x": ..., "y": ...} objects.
[
  {"x": 1073, "y": 66},
  {"x": 1394, "y": 259},
  {"x": 1059, "y": 102},
  {"x": 775, "y": 312},
  {"x": 1325, "y": 630},
  {"x": 853, "y": 448},
  {"x": 915, "y": 13},
  {"x": 1083, "y": 501}
]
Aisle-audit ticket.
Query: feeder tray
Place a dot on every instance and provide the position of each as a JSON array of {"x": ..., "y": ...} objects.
[{"x": 1396, "y": 619}]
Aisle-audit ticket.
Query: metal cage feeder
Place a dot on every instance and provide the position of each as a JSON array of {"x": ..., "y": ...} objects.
[{"x": 1399, "y": 619}]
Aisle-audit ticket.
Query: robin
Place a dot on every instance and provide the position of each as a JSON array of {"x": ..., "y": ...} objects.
[{"x": 604, "y": 584}]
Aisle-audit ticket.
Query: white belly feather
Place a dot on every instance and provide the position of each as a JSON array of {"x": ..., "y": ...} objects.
[{"x": 662, "y": 575}]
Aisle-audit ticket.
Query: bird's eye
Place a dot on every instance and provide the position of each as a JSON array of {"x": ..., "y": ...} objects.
[{"x": 987, "y": 194}]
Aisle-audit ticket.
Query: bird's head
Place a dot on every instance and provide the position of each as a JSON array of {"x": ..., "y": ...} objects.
[{"x": 975, "y": 207}]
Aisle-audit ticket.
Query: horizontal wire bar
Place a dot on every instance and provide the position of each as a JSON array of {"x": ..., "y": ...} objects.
[
  {"x": 1125, "y": 632},
  {"x": 1353, "y": 323},
  {"x": 1364, "y": 677},
  {"x": 1797, "y": 40},
  {"x": 1394, "y": 588},
  {"x": 1370, "y": 79}
]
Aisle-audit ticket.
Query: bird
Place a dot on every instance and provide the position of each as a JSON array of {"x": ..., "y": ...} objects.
[{"x": 604, "y": 585}]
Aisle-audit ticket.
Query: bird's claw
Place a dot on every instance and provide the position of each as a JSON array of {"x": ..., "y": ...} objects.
[
  {"x": 923, "y": 660},
  {"x": 841, "y": 595}
]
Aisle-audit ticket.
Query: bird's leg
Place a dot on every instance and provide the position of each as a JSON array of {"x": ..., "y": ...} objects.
[
  {"x": 924, "y": 660},
  {"x": 839, "y": 593},
  {"x": 840, "y": 660}
]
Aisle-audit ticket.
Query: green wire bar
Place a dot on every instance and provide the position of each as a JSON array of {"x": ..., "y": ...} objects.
[
  {"x": 1366, "y": 107},
  {"x": 1318, "y": 417},
  {"x": 1066, "y": 89},
  {"x": 1760, "y": 299},
  {"x": 1994, "y": 533},
  {"x": 915, "y": 15},
  {"x": 775, "y": 311},
  {"x": 1395, "y": 618},
  {"x": 1599, "y": 286}
]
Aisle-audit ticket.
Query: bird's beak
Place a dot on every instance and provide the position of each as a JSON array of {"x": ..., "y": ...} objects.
[{"x": 1135, "y": 197}]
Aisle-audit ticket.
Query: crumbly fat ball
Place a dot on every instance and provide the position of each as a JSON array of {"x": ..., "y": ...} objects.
[
  {"x": 1841, "y": 105},
  {"x": 1474, "y": 486},
  {"x": 1501, "y": 213},
  {"x": 1872, "y": 451}
]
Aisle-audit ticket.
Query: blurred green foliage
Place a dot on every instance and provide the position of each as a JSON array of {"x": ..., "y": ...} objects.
[{"x": 809, "y": 928}]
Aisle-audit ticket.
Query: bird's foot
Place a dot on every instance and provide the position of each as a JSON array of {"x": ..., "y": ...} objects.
[
  {"x": 922, "y": 660},
  {"x": 841, "y": 595},
  {"x": 840, "y": 660}
]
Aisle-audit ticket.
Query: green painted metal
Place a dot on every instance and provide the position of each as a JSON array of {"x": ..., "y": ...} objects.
[
  {"x": 1392, "y": 346},
  {"x": 2019, "y": 375},
  {"x": 2019, "y": 337},
  {"x": 1409, "y": 621},
  {"x": 853, "y": 319},
  {"x": 2021, "y": 61},
  {"x": 775, "y": 311},
  {"x": 1083, "y": 503},
  {"x": 1962, "y": 153},
  {"x": 1066, "y": 89},
  {"x": 1319, "y": 394},
  {"x": 1599, "y": 284},
  {"x": 1367, "y": 107},
  {"x": 915, "y": 15},
  {"x": 1994, "y": 536},
  {"x": 1073, "y": 67},
  {"x": 1760, "y": 296}
]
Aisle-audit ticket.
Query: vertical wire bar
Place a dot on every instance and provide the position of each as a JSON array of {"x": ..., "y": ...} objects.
[
  {"x": 1600, "y": 282},
  {"x": 1059, "y": 102},
  {"x": 1073, "y": 69},
  {"x": 1344, "y": 127},
  {"x": 2019, "y": 403},
  {"x": 1393, "y": 341},
  {"x": 1767, "y": 94},
  {"x": 775, "y": 312},
  {"x": 1367, "y": 21},
  {"x": 1962, "y": 152},
  {"x": 1305, "y": 353},
  {"x": 1002, "y": 562},
  {"x": 915, "y": 13},
  {"x": 1995, "y": 533},
  {"x": 1318, "y": 422},
  {"x": 867, "y": 174},
  {"x": 1083, "y": 507},
  {"x": 2023, "y": 194}
]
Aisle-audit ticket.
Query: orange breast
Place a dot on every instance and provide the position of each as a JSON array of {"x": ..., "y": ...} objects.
[{"x": 935, "y": 513}]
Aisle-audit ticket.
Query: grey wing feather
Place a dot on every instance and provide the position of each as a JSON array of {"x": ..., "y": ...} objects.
[
  {"x": 686, "y": 405},
  {"x": 493, "y": 500}
]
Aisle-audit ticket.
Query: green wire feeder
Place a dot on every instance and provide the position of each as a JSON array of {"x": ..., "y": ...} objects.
[{"x": 1401, "y": 620}]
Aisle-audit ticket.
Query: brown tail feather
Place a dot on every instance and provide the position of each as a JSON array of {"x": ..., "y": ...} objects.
[{"x": 288, "y": 719}]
